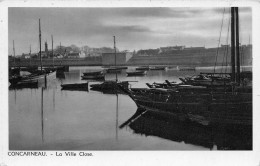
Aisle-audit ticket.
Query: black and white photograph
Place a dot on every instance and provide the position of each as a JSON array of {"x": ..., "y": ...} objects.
[{"x": 130, "y": 78}]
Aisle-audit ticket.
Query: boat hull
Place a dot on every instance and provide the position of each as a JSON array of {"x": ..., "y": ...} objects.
[
  {"x": 82, "y": 86},
  {"x": 93, "y": 77},
  {"x": 204, "y": 108},
  {"x": 138, "y": 73}
]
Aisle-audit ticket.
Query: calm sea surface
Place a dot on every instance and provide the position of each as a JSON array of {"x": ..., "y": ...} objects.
[{"x": 54, "y": 119}]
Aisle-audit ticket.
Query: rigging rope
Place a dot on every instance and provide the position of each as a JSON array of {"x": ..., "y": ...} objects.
[{"x": 219, "y": 39}]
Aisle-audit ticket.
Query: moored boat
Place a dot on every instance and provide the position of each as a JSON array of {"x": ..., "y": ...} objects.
[
  {"x": 76, "y": 86},
  {"x": 93, "y": 77},
  {"x": 93, "y": 73},
  {"x": 110, "y": 86},
  {"x": 114, "y": 70},
  {"x": 207, "y": 80},
  {"x": 119, "y": 67},
  {"x": 218, "y": 106},
  {"x": 197, "y": 105},
  {"x": 24, "y": 84},
  {"x": 136, "y": 73}
]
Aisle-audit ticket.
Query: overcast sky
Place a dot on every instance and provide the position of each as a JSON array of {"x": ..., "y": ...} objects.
[{"x": 134, "y": 28}]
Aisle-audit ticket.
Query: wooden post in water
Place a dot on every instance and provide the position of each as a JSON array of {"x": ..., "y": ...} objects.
[
  {"x": 237, "y": 46},
  {"x": 233, "y": 76}
]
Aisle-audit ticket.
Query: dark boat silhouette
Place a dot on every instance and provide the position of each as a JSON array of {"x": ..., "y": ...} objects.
[
  {"x": 75, "y": 87},
  {"x": 168, "y": 127},
  {"x": 136, "y": 73}
]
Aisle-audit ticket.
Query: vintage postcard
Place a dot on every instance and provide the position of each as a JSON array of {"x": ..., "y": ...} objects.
[{"x": 145, "y": 82}]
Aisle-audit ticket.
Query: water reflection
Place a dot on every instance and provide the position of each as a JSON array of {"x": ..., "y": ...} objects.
[
  {"x": 42, "y": 116},
  {"x": 60, "y": 75},
  {"x": 116, "y": 116},
  {"x": 166, "y": 127},
  {"x": 48, "y": 118},
  {"x": 53, "y": 99}
]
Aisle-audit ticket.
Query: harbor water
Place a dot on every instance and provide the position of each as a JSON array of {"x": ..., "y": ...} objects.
[{"x": 54, "y": 119}]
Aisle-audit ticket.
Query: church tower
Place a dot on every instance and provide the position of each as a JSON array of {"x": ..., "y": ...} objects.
[{"x": 46, "y": 48}]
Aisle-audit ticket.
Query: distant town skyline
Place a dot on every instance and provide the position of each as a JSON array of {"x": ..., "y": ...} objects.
[{"x": 134, "y": 28}]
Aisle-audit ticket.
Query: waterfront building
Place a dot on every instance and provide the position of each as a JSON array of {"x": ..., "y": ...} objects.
[
  {"x": 121, "y": 58},
  {"x": 46, "y": 49},
  {"x": 170, "y": 48},
  {"x": 73, "y": 55}
]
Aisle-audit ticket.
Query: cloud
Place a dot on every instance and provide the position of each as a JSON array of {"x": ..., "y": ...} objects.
[
  {"x": 134, "y": 28},
  {"x": 227, "y": 9}
]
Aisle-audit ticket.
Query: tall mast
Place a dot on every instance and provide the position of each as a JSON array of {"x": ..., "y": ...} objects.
[
  {"x": 237, "y": 46},
  {"x": 233, "y": 77},
  {"x": 52, "y": 50},
  {"x": 14, "y": 52},
  {"x": 115, "y": 53},
  {"x": 40, "y": 40}
]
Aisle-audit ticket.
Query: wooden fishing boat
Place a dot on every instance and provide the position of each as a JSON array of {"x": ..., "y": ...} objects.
[
  {"x": 93, "y": 73},
  {"x": 119, "y": 67},
  {"x": 207, "y": 80},
  {"x": 197, "y": 105},
  {"x": 113, "y": 70},
  {"x": 24, "y": 84},
  {"x": 203, "y": 105},
  {"x": 76, "y": 86},
  {"x": 136, "y": 73},
  {"x": 165, "y": 84},
  {"x": 111, "y": 86},
  {"x": 30, "y": 69},
  {"x": 14, "y": 71},
  {"x": 41, "y": 76}
]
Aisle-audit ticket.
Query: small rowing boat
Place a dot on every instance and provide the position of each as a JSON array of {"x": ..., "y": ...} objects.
[
  {"x": 77, "y": 86},
  {"x": 136, "y": 73}
]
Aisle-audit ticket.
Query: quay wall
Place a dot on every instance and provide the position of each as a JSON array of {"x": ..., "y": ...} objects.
[{"x": 204, "y": 57}]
